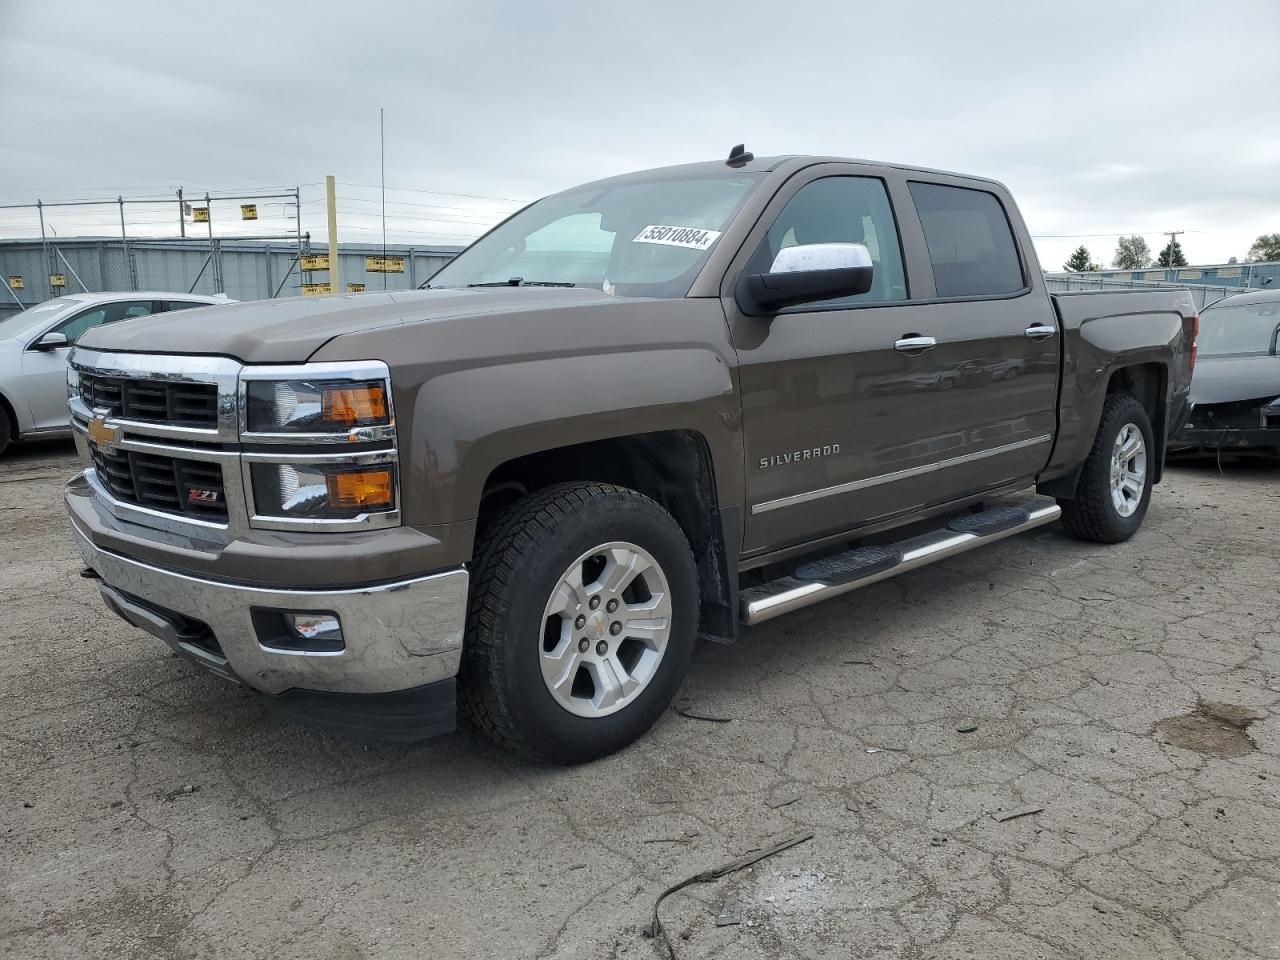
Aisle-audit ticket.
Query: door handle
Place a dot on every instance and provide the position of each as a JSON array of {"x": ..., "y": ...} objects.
[
  {"x": 915, "y": 344},
  {"x": 1040, "y": 332}
]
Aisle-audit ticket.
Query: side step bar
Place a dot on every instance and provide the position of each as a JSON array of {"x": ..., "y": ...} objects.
[{"x": 832, "y": 576}]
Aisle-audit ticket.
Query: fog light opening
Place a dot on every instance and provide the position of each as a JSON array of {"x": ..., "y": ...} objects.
[
  {"x": 315, "y": 627},
  {"x": 299, "y": 631}
]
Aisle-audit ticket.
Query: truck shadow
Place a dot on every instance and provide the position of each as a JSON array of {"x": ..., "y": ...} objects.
[
  {"x": 25, "y": 453},
  {"x": 737, "y": 716}
]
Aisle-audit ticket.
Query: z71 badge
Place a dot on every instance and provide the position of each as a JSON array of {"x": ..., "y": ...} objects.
[{"x": 810, "y": 453}]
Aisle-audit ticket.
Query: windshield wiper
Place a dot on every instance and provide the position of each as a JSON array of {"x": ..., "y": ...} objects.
[{"x": 522, "y": 282}]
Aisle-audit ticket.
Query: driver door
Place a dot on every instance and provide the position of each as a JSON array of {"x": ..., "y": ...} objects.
[
  {"x": 44, "y": 372},
  {"x": 840, "y": 417}
]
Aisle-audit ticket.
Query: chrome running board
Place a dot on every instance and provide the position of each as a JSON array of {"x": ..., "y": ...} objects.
[{"x": 833, "y": 576}]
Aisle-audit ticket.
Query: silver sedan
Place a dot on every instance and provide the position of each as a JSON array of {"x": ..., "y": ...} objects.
[{"x": 34, "y": 346}]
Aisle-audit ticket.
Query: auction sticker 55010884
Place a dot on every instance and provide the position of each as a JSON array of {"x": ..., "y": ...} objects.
[{"x": 692, "y": 237}]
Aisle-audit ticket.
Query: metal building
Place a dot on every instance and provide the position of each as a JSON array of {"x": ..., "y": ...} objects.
[{"x": 243, "y": 270}]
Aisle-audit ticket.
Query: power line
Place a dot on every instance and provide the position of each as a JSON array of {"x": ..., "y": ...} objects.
[
  {"x": 1117, "y": 233},
  {"x": 438, "y": 193}
]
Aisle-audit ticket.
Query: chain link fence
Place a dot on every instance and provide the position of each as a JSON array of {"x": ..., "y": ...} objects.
[
  {"x": 243, "y": 270},
  {"x": 1203, "y": 294},
  {"x": 112, "y": 261}
]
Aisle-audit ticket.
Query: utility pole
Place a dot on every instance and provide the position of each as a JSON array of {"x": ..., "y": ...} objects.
[
  {"x": 214, "y": 252},
  {"x": 1173, "y": 238},
  {"x": 44, "y": 243},
  {"x": 382, "y": 146},
  {"x": 124, "y": 243},
  {"x": 182, "y": 220},
  {"x": 330, "y": 199}
]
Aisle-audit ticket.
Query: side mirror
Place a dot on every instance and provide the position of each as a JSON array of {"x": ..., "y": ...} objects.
[
  {"x": 807, "y": 273},
  {"x": 50, "y": 341}
]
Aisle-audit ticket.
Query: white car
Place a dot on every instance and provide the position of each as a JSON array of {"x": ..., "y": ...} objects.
[{"x": 34, "y": 346}]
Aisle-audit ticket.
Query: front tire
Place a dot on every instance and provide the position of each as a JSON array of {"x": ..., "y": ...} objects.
[
  {"x": 581, "y": 622},
  {"x": 6, "y": 430},
  {"x": 1115, "y": 484}
]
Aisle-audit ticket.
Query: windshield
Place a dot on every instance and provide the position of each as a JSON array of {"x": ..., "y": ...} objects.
[
  {"x": 1246, "y": 328},
  {"x": 21, "y": 323},
  {"x": 645, "y": 239}
]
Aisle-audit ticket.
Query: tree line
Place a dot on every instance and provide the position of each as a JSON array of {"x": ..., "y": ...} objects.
[{"x": 1132, "y": 253}]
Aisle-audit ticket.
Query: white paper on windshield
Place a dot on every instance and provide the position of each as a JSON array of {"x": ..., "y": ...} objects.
[{"x": 694, "y": 238}]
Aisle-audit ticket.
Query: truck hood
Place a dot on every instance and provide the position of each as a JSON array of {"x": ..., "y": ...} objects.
[
  {"x": 1228, "y": 379},
  {"x": 292, "y": 329}
]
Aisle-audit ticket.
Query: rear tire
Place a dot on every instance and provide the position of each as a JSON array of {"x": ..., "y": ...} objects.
[
  {"x": 6, "y": 429},
  {"x": 1115, "y": 484},
  {"x": 581, "y": 622}
]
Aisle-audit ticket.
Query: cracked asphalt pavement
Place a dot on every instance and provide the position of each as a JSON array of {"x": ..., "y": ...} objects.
[{"x": 986, "y": 752}]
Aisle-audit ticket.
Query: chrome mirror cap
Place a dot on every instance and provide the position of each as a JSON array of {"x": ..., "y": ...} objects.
[{"x": 821, "y": 256}]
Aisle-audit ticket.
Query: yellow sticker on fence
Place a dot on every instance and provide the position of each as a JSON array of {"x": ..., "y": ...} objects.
[
  {"x": 315, "y": 289},
  {"x": 384, "y": 264},
  {"x": 248, "y": 211},
  {"x": 316, "y": 261},
  {"x": 355, "y": 288},
  {"x": 15, "y": 283},
  {"x": 57, "y": 280},
  {"x": 200, "y": 214}
]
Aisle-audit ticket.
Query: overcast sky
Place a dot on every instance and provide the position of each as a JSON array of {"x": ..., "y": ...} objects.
[{"x": 1103, "y": 118}]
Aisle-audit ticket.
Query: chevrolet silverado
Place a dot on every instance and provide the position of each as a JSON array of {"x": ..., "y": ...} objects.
[{"x": 637, "y": 413}]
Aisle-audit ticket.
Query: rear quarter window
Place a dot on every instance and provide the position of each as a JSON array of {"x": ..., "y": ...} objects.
[{"x": 970, "y": 242}]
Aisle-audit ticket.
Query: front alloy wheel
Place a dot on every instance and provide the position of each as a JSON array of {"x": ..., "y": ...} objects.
[
  {"x": 605, "y": 629},
  {"x": 581, "y": 623}
]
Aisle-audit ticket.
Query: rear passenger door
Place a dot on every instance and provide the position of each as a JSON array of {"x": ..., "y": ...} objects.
[{"x": 997, "y": 351}]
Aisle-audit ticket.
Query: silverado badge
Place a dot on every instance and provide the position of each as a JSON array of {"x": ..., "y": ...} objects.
[{"x": 103, "y": 436}]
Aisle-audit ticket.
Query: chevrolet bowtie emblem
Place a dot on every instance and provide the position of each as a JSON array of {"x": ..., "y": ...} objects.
[{"x": 102, "y": 435}]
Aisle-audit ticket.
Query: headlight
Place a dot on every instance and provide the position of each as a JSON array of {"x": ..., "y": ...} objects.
[
  {"x": 320, "y": 446},
  {"x": 322, "y": 491},
  {"x": 73, "y": 382},
  {"x": 315, "y": 406}
]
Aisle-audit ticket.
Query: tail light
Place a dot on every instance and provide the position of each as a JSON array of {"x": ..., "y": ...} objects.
[{"x": 1195, "y": 340}]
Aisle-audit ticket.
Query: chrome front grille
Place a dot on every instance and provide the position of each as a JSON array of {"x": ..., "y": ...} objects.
[
  {"x": 153, "y": 401},
  {"x": 191, "y": 488},
  {"x": 165, "y": 447}
]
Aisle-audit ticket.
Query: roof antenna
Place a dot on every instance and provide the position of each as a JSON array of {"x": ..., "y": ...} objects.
[{"x": 738, "y": 156}]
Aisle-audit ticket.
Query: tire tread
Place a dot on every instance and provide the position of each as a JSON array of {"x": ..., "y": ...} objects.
[
  {"x": 1089, "y": 515},
  {"x": 500, "y": 552}
]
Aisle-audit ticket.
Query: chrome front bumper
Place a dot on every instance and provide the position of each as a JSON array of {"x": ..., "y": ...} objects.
[{"x": 397, "y": 635}]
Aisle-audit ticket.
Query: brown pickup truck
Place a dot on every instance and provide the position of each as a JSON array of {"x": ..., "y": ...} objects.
[{"x": 643, "y": 411}]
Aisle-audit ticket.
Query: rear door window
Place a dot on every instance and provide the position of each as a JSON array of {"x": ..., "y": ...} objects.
[{"x": 970, "y": 242}]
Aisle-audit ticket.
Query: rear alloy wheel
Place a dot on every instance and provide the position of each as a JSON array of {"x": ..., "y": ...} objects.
[
  {"x": 581, "y": 622},
  {"x": 1128, "y": 470},
  {"x": 1115, "y": 483}
]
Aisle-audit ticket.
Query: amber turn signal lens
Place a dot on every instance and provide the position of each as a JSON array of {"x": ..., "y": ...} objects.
[
  {"x": 364, "y": 403},
  {"x": 367, "y": 488}
]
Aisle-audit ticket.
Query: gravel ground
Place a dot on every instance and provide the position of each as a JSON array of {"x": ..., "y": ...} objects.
[{"x": 1126, "y": 695}]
